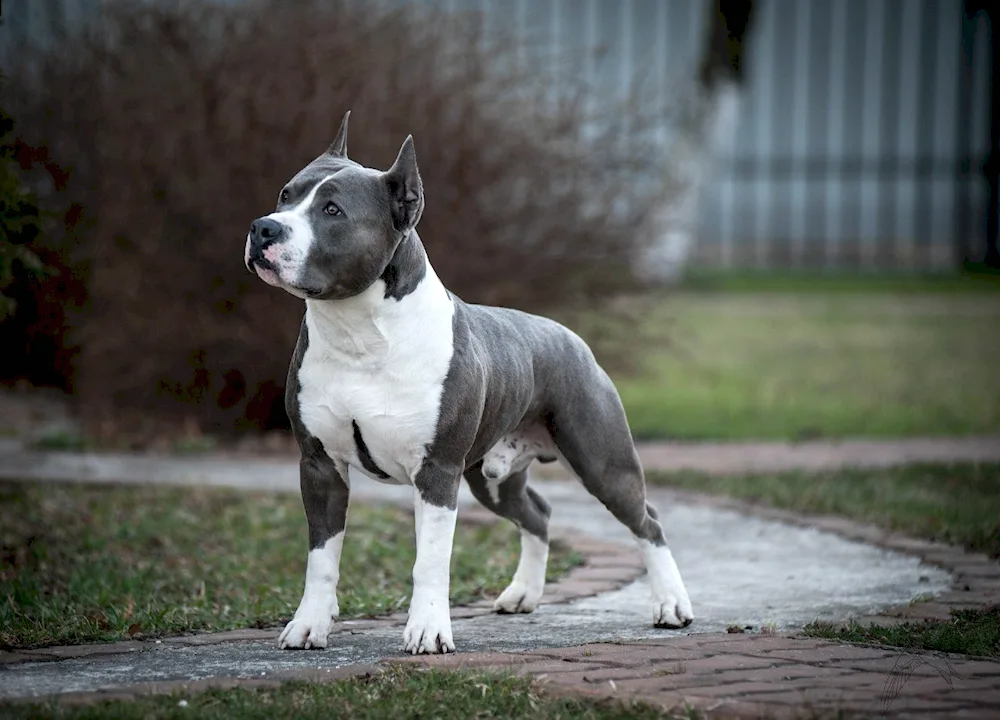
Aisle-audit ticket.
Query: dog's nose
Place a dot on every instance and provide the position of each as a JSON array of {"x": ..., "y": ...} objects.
[{"x": 264, "y": 231}]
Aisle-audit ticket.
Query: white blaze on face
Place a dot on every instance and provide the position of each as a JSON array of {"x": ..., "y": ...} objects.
[{"x": 289, "y": 255}]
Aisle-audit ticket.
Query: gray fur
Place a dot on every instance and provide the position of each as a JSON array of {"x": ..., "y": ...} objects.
[
  {"x": 325, "y": 494},
  {"x": 518, "y": 503},
  {"x": 511, "y": 368}
]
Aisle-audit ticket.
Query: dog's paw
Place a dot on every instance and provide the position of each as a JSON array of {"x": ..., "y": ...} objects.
[
  {"x": 518, "y": 598},
  {"x": 310, "y": 628},
  {"x": 673, "y": 610},
  {"x": 428, "y": 632}
]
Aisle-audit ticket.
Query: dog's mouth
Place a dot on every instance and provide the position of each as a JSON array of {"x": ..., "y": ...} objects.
[
  {"x": 267, "y": 274},
  {"x": 266, "y": 271}
]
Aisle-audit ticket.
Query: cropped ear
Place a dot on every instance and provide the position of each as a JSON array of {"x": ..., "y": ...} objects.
[
  {"x": 406, "y": 191},
  {"x": 339, "y": 147}
]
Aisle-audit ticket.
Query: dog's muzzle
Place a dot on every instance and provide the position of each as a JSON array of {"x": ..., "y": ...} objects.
[{"x": 264, "y": 232}]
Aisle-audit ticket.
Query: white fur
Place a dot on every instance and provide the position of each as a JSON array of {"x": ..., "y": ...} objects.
[
  {"x": 289, "y": 256},
  {"x": 671, "y": 604},
  {"x": 382, "y": 364},
  {"x": 428, "y": 628},
  {"x": 513, "y": 453},
  {"x": 313, "y": 620},
  {"x": 525, "y": 590}
]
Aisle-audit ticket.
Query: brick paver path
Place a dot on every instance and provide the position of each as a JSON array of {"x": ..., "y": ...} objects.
[{"x": 751, "y": 676}]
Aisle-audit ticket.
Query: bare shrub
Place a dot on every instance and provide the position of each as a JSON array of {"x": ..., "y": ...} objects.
[{"x": 178, "y": 127}]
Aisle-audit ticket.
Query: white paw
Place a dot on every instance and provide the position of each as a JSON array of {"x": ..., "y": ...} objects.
[
  {"x": 671, "y": 604},
  {"x": 673, "y": 609},
  {"x": 310, "y": 628},
  {"x": 518, "y": 598},
  {"x": 428, "y": 631}
]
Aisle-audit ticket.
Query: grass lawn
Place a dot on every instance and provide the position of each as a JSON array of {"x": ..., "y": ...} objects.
[
  {"x": 970, "y": 632},
  {"x": 98, "y": 563},
  {"x": 958, "y": 504},
  {"x": 395, "y": 694},
  {"x": 783, "y": 359}
]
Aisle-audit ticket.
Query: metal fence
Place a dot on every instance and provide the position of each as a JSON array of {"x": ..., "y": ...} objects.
[{"x": 860, "y": 137}]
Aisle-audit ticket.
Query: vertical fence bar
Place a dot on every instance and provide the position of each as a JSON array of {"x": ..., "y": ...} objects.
[
  {"x": 521, "y": 35},
  {"x": 924, "y": 165},
  {"x": 785, "y": 127},
  {"x": 800, "y": 113},
  {"x": 626, "y": 65},
  {"x": 818, "y": 104},
  {"x": 660, "y": 71},
  {"x": 852, "y": 124},
  {"x": 590, "y": 61},
  {"x": 992, "y": 167},
  {"x": 555, "y": 49},
  {"x": 765, "y": 81},
  {"x": 963, "y": 143},
  {"x": 888, "y": 146},
  {"x": 836, "y": 150},
  {"x": 871, "y": 185}
]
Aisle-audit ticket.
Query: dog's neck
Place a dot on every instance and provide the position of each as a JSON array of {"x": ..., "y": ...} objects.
[{"x": 364, "y": 328}]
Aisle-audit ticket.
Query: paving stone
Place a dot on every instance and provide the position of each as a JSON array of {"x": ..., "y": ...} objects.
[
  {"x": 760, "y": 644},
  {"x": 226, "y": 636},
  {"x": 602, "y": 674},
  {"x": 466, "y": 660},
  {"x": 92, "y": 650},
  {"x": 925, "y": 611},
  {"x": 644, "y": 654},
  {"x": 547, "y": 666},
  {"x": 613, "y": 575},
  {"x": 721, "y": 663},
  {"x": 904, "y": 663},
  {"x": 581, "y": 588},
  {"x": 744, "y": 690},
  {"x": 786, "y": 673},
  {"x": 9, "y": 657},
  {"x": 632, "y": 561},
  {"x": 971, "y": 713},
  {"x": 828, "y": 653},
  {"x": 975, "y": 668}
]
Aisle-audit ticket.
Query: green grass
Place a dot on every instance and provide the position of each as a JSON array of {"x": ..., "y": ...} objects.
[
  {"x": 807, "y": 364},
  {"x": 394, "y": 694},
  {"x": 957, "y": 504},
  {"x": 99, "y": 563},
  {"x": 969, "y": 632}
]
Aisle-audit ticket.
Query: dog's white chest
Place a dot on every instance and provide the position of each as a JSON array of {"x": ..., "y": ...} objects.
[{"x": 372, "y": 378}]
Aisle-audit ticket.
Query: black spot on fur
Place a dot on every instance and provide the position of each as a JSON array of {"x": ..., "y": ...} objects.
[{"x": 366, "y": 459}]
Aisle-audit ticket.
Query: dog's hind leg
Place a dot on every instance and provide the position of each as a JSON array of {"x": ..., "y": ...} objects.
[
  {"x": 593, "y": 436},
  {"x": 514, "y": 500}
]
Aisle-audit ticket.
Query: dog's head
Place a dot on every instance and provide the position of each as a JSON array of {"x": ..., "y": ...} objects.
[{"x": 337, "y": 224}]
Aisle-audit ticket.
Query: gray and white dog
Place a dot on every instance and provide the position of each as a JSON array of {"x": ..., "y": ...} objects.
[{"x": 399, "y": 379}]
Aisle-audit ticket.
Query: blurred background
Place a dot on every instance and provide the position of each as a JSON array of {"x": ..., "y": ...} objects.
[{"x": 772, "y": 219}]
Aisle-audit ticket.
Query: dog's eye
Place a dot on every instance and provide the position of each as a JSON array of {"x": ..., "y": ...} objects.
[
  {"x": 283, "y": 198},
  {"x": 331, "y": 209}
]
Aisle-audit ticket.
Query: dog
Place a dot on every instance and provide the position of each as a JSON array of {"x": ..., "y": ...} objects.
[{"x": 398, "y": 378}]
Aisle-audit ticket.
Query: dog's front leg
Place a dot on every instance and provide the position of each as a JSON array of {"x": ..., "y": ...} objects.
[
  {"x": 325, "y": 495},
  {"x": 428, "y": 628}
]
